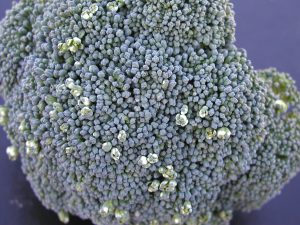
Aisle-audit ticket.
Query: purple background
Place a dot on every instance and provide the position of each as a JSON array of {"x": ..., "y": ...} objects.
[{"x": 270, "y": 31}]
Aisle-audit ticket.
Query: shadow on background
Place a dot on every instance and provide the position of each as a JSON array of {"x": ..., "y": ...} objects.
[{"x": 270, "y": 31}]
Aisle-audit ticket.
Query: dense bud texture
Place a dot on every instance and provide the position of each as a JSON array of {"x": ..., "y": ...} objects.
[{"x": 143, "y": 112}]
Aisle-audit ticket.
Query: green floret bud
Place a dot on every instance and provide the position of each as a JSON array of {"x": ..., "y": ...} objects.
[
  {"x": 86, "y": 112},
  {"x": 93, "y": 8},
  {"x": 53, "y": 115},
  {"x": 22, "y": 126},
  {"x": 12, "y": 153},
  {"x": 184, "y": 109},
  {"x": 168, "y": 186},
  {"x": 41, "y": 106},
  {"x": 210, "y": 133},
  {"x": 76, "y": 91},
  {"x": 107, "y": 146},
  {"x": 62, "y": 47},
  {"x": 64, "y": 127},
  {"x": 223, "y": 133},
  {"x": 168, "y": 172},
  {"x": 122, "y": 216},
  {"x": 177, "y": 219},
  {"x": 50, "y": 100},
  {"x": 115, "y": 154},
  {"x": 203, "y": 112},
  {"x": 204, "y": 219},
  {"x": 181, "y": 120},
  {"x": 122, "y": 136},
  {"x": 164, "y": 195},
  {"x": 225, "y": 215},
  {"x": 70, "y": 83},
  {"x": 32, "y": 147},
  {"x": 57, "y": 107},
  {"x": 85, "y": 101},
  {"x": 152, "y": 158},
  {"x": 186, "y": 209},
  {"x": 280, "y": 106},
  {"x": 64, "y": 217},
  {"x": 3, "y": 115},
  {"x": 165, "y": 84},
  {"x": 69, "y": 150},
  {"x": 154, "y": 222},
  {"x": 143, "y": 162},
  {"x": 107, "y": 208},
  {"x": 154, "y": 186},
  {"x": 112, "y": 6},
  {"x": 74, "y": 44},
  {"x": 86, "y": 15}
]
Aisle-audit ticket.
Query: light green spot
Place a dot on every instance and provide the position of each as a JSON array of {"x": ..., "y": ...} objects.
[
  {"x": 181, "y": 120},
  {"x": 168, "y": 186},
  {"x": 72, "y": 45},
  {"x": 112, "y": 6},
  {"x": 53, "y": 115},
  {"x": 184, "y": 109},
  {"x": 86, "y": 14},
  {"x": 57, "y": 107},
  {"x": 12, "y": 153},
  {"x": 281, "y": 106},
  {"x": 3, "y": 115},
  {"x": 122, "y": 136},
  {"x": 93, "y": 8},
  {"x": 85, "y": 101},
  {"x": 22, "y": 126},
  {"x": 41, "y": 106},
  {"x": 186, "y": 209},
  {"x": 165, "y": 84},
  {"x": 223, "y": 133},
  {"x": 177, "y": 219},
  {"x": 107, "y": 208},
  {"x": 115, "y": 154},
  {"x": 107, "y": 146},
  {"x": 225, "y": 215},
  {"x": 210, "y": 133},
  {"x": 62, "y": 47},
  {"x": 152, "y": 158},
  {"x": 154, "y": 222},
  {"x": 154, "y": 186},
  {"x": 69, "y": 150},
  {"x": 122, "y": 216},
  {"x": 164, "y": 195},
  {"x": 143, "y": 162},
  {"x": 86, "y": 112},
  {"x": 168, "y": 172},
  {"x": 76, "y": 91},
  {"x": 49, "y": 99},
  {"x": 64, "y": 127},
  {"x": 70, "y": 83},
  {"x": 64, "y": 217},
  {"x": 204, "y": 219},
  {"x": 32, "y": 147},
  {"x": 203, "y": 112}
]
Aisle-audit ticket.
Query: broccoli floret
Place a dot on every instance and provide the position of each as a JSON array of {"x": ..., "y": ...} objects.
[{"x": 143, "y": 112}]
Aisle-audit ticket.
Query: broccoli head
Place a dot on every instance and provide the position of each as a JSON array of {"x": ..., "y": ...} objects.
[{"x": 143, "y": 112}]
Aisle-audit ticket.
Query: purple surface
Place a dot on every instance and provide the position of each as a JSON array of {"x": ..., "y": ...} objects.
[{"x": 270, "y": 31}]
